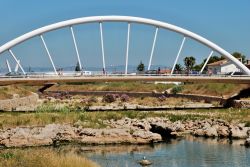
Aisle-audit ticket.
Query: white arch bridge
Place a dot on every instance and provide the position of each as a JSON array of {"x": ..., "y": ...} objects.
[{"x": 125, "y": 76}]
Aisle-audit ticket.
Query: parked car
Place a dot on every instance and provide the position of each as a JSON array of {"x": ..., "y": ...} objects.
[
  {"x": 235, "y": 73},
  {"x": 152, "y": 72},
  {"x": 13, "y": 74}
]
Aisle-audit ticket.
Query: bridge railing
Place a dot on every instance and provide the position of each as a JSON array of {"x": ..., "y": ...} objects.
[{"x": 100, "y": 74}]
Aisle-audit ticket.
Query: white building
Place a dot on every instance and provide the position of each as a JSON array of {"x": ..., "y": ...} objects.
[{"x": 222, "y": 67}]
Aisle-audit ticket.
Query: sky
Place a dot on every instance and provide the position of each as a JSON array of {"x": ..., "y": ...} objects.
[{"x": 224, "y": 22}]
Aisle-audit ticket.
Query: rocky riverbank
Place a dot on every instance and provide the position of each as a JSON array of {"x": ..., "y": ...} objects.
[{"x": 126, "y": 130}]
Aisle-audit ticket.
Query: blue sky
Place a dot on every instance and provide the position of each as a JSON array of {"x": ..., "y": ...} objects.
[{"x": 225, "y": 22}]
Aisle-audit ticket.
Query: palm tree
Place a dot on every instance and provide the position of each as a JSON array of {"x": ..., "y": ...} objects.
[
  {"x": 77, "y": 68},
  {"x": 178, "y": 68},
  {"x": 189, "y": 63},
  {"x": 140, "y": 67}
]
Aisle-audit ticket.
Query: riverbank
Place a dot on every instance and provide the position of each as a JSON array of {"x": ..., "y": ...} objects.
[{"x": 121, "y": 131}]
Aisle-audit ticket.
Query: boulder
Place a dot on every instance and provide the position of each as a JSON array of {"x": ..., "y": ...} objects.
[
  {"x": 211, "y": 132},
  {"x": 223, "y": 131},
  {"x": 142, "y": 134},
  {"x": 238, "y": 132},
  {"x": 198, "y": 132},
  {"x": 247, "y": 142},
  {"x": 161, "y": 129},
  {"x": 177, "y": 126}
]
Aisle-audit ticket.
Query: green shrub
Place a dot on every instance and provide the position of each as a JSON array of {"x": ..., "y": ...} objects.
[
  {"x": 109, "y": 98},
  {"x": 7, "y": 155},
  {"x": 176, "y": 89},
  {"x": 247, "y": 124}
]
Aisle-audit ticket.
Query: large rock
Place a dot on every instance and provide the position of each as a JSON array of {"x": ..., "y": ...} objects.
[
  {"x": 147, "y": 135},
  {"x": 238, "y": 132},
  {"x": 247, "y": 142},
  {"x": 198, "y": 132},
  {"x": 211, "y": 131},
  {"x": 223, "y": 131},
  {"x": 162, "y": 129}
]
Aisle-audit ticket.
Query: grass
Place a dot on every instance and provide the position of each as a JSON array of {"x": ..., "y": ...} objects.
[
  {"x": 42, "y": 157},
  {"x": 213, "y": 89},
  {"x": 153, "y": 101},
  {"x": 83, "y": 102},
  {"x": 113, "y": 86},
  {"x": 7, "y": 92},
  {"x": 95, "y": 119}
]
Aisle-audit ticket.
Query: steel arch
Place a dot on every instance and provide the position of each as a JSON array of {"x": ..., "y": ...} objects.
[{"x": 129, "y": 19}]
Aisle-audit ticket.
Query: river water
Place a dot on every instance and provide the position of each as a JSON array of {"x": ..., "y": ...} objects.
[
  {"x": 186, "y": 152},
  {"x": 189, "y": 152}
]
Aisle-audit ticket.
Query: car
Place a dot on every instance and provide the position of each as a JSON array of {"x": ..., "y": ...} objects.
[
  {"x": 13, "y": 74},
  {"x": 152, "y": 72},
  {"x": 235, "y": 73}
]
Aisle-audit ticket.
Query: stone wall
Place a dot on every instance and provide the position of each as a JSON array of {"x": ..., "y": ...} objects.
[{"x": 20, "y": 103}]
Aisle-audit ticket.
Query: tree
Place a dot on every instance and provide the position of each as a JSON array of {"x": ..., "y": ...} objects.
[
  {"x": 77, "y": 68},
  {"x": 198, "y": 67},
  {"x": 178, "y": 68},
  {"x": 141, "y": 67},
  {"x": 240, "y": 56},
  {"x": 189, "y": 63},
  {"x": 213, "y": 59}
]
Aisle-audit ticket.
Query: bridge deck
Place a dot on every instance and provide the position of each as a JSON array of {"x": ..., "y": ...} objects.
[{"x": 61, "y": 79}]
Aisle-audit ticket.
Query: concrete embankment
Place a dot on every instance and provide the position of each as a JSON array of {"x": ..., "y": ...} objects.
[{"x": 126, "y": 130}]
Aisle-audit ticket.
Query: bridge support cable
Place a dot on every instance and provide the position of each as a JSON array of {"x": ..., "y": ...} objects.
[
  {"x": 12, "y": 54},
  {"x": 76, "y": 48},
  {"x": 178, "y": 55},
  {"x": 48, "y": 53},
  {"x": 102, "y": 45},
  {"x": 153, "y": 48},
  {"x": 211, "y": 53},
  {"x": 127, "y": 50},
  {"x": 8, "y": 65}
]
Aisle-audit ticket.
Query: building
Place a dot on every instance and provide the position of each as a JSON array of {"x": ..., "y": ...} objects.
[
  {"x": 222, "y": 67},
  {"x": 247, "y": 64}
]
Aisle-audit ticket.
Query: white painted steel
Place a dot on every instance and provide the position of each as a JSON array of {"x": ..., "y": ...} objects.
[
  {"x": 48, "y": 53},
  {"x": 127, "y": 50},
  {"x": 17, "y": 66},
  {"x": 206, "y": 61},
  {"x": 130, "y": 19},
  {"x": 178, "y": 55},
  {"x": 8, "y": 65},
  {"x": 102, "y": 45},
  {"x": 12, "y": 54},
  {"x": 76, "y": 48},
  {"x": 153, "y": 48}
]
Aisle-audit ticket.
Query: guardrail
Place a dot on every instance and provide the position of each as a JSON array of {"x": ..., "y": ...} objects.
[{"x": 49, "y": 75}]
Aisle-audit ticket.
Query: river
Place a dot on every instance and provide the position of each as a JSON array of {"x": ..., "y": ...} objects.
[
  {"x": 195, "y": 152},
  {"x": 185, "y": 152}
]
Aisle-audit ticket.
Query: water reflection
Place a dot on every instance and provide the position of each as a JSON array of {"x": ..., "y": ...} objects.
[{"x": 186, "y": 152}]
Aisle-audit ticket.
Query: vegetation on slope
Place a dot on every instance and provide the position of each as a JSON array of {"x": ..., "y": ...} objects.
[
  {"x": 7, "y": 92},
  {"x": 42, "y": 157},
  {"x": 113, "y": 86},
  {"x": 95, "y": 119},
  {"x": 213, "y": 89}
]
